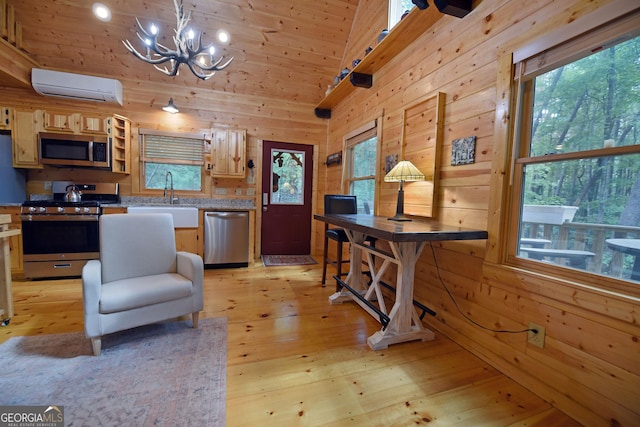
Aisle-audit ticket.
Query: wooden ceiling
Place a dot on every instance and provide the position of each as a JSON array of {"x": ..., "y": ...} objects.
[{"x": 282, "y": 49}]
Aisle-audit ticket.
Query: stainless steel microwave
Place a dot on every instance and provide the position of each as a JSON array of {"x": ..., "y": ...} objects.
[{"x": 74, "y": 150}]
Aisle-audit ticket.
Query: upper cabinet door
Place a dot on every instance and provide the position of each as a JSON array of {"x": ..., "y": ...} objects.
[
  {"x": 58, "y": 121},
  {"x": 228, "y": 153},
  {"x": 24, "y": 137},
  {"x": 93, "y": 123}
]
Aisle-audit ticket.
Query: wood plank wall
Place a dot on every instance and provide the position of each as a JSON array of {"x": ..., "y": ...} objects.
[{"x": 590, "y": 366}]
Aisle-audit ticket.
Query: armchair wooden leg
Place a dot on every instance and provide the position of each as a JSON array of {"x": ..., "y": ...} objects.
[
  {"x": 96, "y": 345},
  {"x": 195, "y": 317}
]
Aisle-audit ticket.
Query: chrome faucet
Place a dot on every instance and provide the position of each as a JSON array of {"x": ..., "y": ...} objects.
[{"x": 172, "y": 199}]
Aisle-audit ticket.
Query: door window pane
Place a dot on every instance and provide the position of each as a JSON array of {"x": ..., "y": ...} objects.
[{"x": 287, "y": 178}]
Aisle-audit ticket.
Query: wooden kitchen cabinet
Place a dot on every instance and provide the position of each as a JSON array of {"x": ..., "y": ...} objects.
[
  {"x": 24, "y": 137},
  {"x": 57, "y": 121},
  {"x": 77, "y": 123},
  {"x": 5, "y": 118},
  {"x": 92, "y": 123},
  {"x": 227, "y": 158},
  {"x": 119, "y": 130},
  {"x": 15, "y": 242},
  {"x": 187, "y": 240},
  {"x": 111, "y": 210}
]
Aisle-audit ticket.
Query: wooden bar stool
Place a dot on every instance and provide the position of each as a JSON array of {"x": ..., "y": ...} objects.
[{"x": 339, "y": 204}]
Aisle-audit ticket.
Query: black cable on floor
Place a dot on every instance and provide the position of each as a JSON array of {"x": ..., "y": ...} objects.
[{"x": 433, "y": 252}]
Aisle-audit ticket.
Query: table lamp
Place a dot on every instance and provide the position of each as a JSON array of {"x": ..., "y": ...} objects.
[{"x": 403, "y": 171}]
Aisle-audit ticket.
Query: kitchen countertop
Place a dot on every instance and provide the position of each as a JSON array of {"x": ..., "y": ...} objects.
[{"x": 200, "y": 203}]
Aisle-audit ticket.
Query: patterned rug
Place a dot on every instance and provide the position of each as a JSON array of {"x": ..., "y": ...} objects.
[
  {"x": 162, "y": 374},
  {"x": 276, "y": 260}
]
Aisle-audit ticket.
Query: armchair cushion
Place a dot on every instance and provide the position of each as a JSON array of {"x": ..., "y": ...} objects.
[{"x": 127, "y": 294}]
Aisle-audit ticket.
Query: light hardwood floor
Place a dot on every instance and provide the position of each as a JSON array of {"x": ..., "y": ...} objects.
[{"x": 294, "y": 359}]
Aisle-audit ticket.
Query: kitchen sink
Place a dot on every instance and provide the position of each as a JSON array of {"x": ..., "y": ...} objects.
[{"x": 183, "y": 216}]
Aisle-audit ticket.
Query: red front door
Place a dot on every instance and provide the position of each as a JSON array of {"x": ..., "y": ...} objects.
[{"x": 287, "y": 175}]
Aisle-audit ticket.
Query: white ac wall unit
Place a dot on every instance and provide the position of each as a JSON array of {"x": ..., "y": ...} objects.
[{"x": 76, "y": 86}]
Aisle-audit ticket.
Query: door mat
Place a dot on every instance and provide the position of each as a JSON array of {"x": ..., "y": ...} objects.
[{"x": 277, "y": 260}]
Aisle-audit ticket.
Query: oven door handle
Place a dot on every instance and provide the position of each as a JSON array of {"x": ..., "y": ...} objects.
[{"x": 67, "y": 265}]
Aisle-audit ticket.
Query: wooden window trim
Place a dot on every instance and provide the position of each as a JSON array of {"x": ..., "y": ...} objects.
[{"x": 506, "y": 170}]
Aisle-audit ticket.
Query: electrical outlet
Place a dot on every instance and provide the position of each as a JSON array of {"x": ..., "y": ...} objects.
[
  {"x": 47, "y": 185},
  {"x": 536, "y": 338},
  {"x": 239, "y": 191},
  {"x": 221, "y": 191}
]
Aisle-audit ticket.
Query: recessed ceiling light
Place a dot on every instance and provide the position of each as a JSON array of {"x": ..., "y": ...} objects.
[{"x": 101, "y": 12}]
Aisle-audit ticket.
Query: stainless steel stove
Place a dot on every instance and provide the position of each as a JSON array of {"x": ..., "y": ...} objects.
[{"x": 59, "y": 237}]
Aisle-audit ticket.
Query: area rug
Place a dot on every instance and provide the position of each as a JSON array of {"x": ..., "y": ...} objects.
[
  {"x": 164, "y": 374},
  {"x": 277, "y": 260}
]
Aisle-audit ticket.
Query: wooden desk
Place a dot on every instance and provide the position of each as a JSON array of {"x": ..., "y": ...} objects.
[
  {"x": 630, "y": 247},
  {"x": 406, "y": 240}
]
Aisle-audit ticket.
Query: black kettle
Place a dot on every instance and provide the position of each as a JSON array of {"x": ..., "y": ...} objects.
[{"x": 73, "y": 194}]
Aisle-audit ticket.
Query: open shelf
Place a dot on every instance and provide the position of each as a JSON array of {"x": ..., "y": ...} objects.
[
  {"x": 403, "y": 34},
  {"x": 120, "y": 134}
]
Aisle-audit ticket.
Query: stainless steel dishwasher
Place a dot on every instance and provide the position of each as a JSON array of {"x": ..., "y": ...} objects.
[{"x": 226, "y": 239}]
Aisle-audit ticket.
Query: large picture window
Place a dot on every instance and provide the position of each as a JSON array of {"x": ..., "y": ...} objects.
[
  {"x": 577, "y": 154},
  {"x": 164, "y": 152}
]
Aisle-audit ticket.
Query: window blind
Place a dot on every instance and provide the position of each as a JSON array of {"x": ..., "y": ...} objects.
[
  {"x": 159, "y": 148},
  {"x": 614, "y": 32},
  {"x": 362, "y": 134}
]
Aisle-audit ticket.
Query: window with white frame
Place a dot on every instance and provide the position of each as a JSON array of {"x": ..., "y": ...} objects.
[
  {"x": 577, "y": 154},
  {"x": 178, "y": 153},
  {"x": 361, "y": 163},
  {"x": 397, "y": 8}
]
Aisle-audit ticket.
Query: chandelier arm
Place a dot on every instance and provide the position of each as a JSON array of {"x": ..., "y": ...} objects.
[
  {"x": 214, "y": 66},
  {"x": 144, "y": 58},
  {"x": 195, "y": 70},
  {"x": 143, "y": 31},
  {"x": 197, "y": 47},
  {"x": 165, "y": 70},
  {"x": 163, "y": 50},
  {"x": 181, "y": 19}
]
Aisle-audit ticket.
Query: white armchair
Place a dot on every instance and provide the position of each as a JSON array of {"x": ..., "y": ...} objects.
[{"x": 140, "y": 277}]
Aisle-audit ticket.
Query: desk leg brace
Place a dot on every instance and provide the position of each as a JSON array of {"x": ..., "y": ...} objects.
[{"x": 372, "y": 309}]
